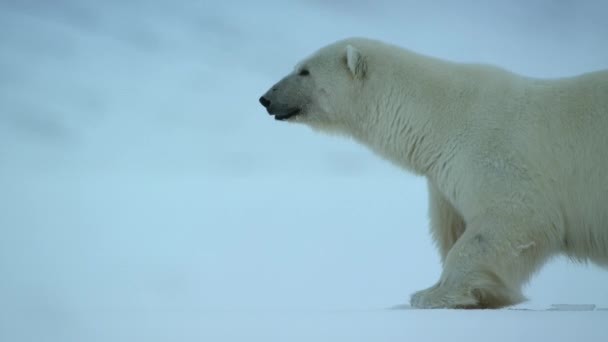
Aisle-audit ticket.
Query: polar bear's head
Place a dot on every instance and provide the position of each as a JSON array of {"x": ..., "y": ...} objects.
[{"x": 322, "y": 90}]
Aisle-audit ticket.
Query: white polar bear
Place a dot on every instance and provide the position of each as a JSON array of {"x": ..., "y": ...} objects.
[{"x": 517, "y": 167}]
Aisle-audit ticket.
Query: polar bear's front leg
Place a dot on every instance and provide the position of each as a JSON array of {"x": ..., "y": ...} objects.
[
  {"x": 445, "y": 222},
  {"x": 488, "y": 264}
]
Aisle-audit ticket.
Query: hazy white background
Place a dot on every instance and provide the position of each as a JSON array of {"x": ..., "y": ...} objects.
[{"x": 146, "y": 196}]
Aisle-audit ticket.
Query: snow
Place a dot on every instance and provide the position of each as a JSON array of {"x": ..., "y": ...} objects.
[
  {"x": 146, "y": 196},
  {"x": 317, "y": 325}
]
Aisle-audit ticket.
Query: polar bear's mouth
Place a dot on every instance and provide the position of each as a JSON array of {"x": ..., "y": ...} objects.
[{"x": 287, "y": 115}]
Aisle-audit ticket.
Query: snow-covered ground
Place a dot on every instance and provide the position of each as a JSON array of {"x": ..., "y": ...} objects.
[{"x": 146, "y": 196}]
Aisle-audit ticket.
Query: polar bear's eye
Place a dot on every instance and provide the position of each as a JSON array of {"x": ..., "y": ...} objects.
[{"x": 304, "y": 72}]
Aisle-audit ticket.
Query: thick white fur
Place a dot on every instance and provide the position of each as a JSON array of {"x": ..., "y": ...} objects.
[{"x": 517, "y": 167}]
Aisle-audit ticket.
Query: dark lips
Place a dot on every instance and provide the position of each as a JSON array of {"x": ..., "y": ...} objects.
[{"x": 290, "y": 114}]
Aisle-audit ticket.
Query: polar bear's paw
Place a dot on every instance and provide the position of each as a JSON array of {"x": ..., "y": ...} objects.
[
  {"x": 438, "y": 296},
  {"x": 462, "y": 296}
]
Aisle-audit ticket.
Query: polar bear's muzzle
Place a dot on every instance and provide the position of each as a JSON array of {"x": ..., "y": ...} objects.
[
  {"x": 289, "y": 97},
  {"x": 280, "y": 112}
]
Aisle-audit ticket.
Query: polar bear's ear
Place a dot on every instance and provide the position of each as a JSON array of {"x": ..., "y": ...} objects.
[{"x": 355, "y": 62}]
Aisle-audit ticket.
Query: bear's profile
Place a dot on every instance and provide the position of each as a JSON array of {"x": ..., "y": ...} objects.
[{"x": 517, "y": 167}]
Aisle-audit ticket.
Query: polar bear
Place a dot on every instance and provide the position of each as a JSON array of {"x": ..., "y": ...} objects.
[{"x": 517, "y": 167}]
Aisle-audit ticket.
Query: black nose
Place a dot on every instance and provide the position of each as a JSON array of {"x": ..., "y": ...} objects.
[{"x": 265, "y": 102}]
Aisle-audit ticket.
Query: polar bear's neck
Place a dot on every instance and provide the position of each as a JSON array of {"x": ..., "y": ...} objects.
[
  {"x": 406, "y": 141},
  {"x": 417, "y": 110}
]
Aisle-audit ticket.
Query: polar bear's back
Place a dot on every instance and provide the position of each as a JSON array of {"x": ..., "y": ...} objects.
[{"x": 568, "y": 118}]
